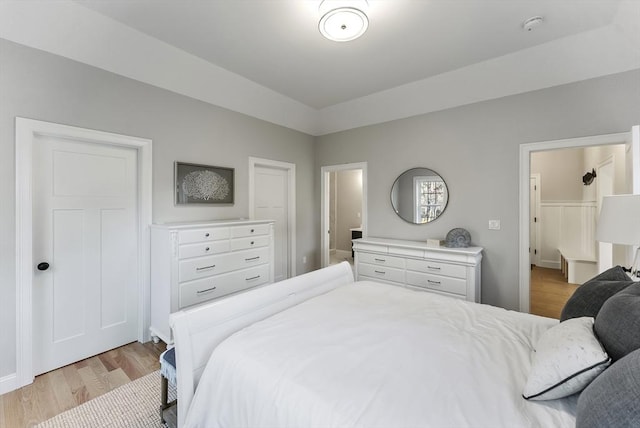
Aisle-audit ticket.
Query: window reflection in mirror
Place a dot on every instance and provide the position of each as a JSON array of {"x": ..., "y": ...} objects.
[{"x": 419, "y": 195}]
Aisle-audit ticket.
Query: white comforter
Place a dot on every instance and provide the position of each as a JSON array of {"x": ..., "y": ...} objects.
[{"x": 374, "y": 355}]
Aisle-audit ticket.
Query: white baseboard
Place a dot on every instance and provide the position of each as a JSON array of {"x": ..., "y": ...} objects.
[
  {"x": 343, "y": 254},
  {"x": 550, "y": 264},
  {"x": 8, "y": 383}
]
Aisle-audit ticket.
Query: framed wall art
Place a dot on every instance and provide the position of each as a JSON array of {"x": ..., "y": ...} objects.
[{"x": 203, "y": 184}]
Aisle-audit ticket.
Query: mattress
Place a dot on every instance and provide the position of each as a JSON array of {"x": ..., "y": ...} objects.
[{"x": 376, "y": 355}]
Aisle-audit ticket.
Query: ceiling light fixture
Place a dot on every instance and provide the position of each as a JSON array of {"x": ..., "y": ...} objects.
[
  {"x": 343, "y": 20},
  {"x": 531, "y": 23}
]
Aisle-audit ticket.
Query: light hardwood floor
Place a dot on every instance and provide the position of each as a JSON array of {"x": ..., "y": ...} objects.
[
  {"x": 59, "y": 390},
  {"x": 549, "y": 291}
]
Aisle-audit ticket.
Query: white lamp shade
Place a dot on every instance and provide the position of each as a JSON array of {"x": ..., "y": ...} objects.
[{"x": 619, "y": 221}]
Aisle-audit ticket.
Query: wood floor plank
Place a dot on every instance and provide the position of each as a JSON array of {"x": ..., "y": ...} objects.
[
  {"x": 62, "y": 391},
  {"x": 45, "y": 399},
  {"x": 74, "y": 381},
  {"x": 27, "y": 401},
  {"x": 116, "y": 378},
  {"x": 130, "y": 364},
  {"x": 13, "y": 410},
  {"x": 108, "y": 359},
  {"x": 3, "y": 420},
  {"x": 549, "y": 291},
  {"x": 95, "y": 386}
]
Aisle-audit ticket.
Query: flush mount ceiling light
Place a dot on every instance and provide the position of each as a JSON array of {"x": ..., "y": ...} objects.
[
  {"x": 343, "y": 20},
  {"x": 531, "y": 23}
]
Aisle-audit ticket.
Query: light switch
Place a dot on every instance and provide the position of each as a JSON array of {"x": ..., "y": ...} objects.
[{"x": 494, "y": 224}]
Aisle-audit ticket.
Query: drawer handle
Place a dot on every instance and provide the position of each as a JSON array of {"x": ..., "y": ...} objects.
[
  {"x": 206, "y": 291},
  {"x": 206, "y": 235},
  {"x": 434, "y": 267},
  {"x": 380, "y": 272},
  {"x": 252, "y": 230},
  {"x": 252, "y": 259},
  {"x": 252, "y": 278},
  {"x": 207, "y": 249},
  {"x": 433, "y": 282},
  {"x": 206, "y": 267},
  {"x": 380, "y": 260},
  {"x": 252, "y": 242}
]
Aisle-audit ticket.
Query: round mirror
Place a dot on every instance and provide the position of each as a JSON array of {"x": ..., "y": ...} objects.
[{"x": 419, "y": 195}]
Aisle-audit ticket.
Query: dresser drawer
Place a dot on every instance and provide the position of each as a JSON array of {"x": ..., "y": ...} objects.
[
  {"x": 242, "y": 231},
  {"x": 437, "y": 268},
  {"x": 206, "y": 266},
  {"x": 203, "y": 249},
  {"x": 202, "y": 290},
  {"x": 204, "y": 234},
  {"x": 250, "y": 242},
  {"x": 381, "y": 260},
  {"x": 436, "y": 282},
  {"x": 381, "y": 272}
]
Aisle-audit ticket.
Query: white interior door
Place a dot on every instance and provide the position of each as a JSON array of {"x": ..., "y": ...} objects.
[
  {"x": 85, "y": 227},
  {"x": 271, "y": 203},
  {"x": 533, "y": 220}
]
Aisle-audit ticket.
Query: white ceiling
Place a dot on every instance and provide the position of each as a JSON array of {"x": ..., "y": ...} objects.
[
  {"x": 276, "y": 43},
  {"x": 417, "y": 55}
]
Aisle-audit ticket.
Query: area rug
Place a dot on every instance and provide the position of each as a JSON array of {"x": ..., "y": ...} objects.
[{"x": 133, "y": 405}]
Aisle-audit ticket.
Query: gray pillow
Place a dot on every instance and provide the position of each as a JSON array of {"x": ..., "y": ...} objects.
[
  {"x": 612, "y": 399},
  {"x": 587, "y": 300},
  {"x": 618, "y": 322}
]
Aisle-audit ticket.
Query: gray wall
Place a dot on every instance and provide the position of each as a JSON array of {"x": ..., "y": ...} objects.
[
  {"x": 475, "y": 149},
  {"x": 37, "y": 85}
]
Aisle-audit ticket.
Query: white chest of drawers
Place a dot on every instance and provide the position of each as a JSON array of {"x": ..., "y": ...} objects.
[
  {"x": 453, "y": 272},
  {"x": 192, "y": 263}
]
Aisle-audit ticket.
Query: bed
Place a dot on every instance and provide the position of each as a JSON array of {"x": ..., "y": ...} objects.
[{"x": 321, "y": 350}]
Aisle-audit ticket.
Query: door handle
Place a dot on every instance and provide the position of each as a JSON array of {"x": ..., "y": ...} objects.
[{"x": 43, "y": 266}]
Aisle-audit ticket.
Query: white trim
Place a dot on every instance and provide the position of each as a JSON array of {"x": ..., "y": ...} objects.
[
  {"x": 525, "y": 173},
  {"x": 25, "y": 131},
  {"x": 290, "y": 168},
  {"x": 567, "y": 203},
  {"x": 324, "y": 205},
  {"x": 536, "y": 255},
  {"x": 634, "y": 142},
  {"x": 8, "y": 383}
]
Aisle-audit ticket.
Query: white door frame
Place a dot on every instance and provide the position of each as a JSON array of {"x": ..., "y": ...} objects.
[
  {"x": 536, "y": 225},
  {"x": 525, "y": 174},
  {"x": 324, "y": 202},
  {"x": 26, "y": 131},
  {"x": 290, "y": 168}
]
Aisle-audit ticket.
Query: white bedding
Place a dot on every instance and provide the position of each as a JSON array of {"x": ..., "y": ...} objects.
[{"x": 375, "y": 355}]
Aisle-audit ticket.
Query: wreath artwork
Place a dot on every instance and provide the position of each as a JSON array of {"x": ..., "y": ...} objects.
[{"x": 202, "y": 184}]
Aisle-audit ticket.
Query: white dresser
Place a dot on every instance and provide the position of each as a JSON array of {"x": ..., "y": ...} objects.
[
  {"x": 192, "y": 263},
  {"x": 453, "y": 272}
]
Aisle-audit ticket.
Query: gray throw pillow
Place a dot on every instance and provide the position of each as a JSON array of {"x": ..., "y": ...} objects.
[
  {"x": 587, "y": 300},
  {"x": 618, "y": 323},
  {"x": 612, "y": 399}
]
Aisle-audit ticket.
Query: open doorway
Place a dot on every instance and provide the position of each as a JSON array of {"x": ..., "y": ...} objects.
[
  {"x": 568, "y": 233},
  {"x": 343, "y": 210},
  {"x": 565, "y": 200}
]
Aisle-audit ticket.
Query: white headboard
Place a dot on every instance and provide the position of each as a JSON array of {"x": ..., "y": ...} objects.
[{"x": 199, "y": 330}]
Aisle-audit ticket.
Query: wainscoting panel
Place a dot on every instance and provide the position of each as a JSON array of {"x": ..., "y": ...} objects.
[{"x": 569, "y": 225}]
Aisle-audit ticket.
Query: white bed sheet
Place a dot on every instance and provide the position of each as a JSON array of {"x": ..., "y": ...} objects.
[{"x": 374, "y": 355}]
